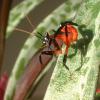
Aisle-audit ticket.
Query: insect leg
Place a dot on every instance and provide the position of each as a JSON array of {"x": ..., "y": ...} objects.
[
  {"x": 45, "y": 53},
  {"x": 40, "y": 59},
  {"x": 64, "y": 61}
]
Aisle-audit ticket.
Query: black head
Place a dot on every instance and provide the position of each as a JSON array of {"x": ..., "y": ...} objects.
[{"x": 46, "y": 39}]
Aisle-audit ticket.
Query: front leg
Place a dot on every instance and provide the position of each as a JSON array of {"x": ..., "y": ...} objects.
[
  {"x": 64, "y": 61},
  {"x": 45, "y": 53},
  {"x": 49, "y": 53}
]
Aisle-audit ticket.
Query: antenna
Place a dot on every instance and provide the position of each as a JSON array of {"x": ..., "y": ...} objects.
[
  {"x": 21, "y": 30},
  {"x": 39, "y": 35},
  {"x": 28, "y": 19}
]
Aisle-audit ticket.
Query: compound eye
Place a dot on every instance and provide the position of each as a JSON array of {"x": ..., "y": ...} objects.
[
  {"x": 44, "y": 42},
  {"x": 45, "y": 38}
]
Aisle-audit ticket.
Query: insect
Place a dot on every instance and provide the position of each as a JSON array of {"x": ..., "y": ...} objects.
[{"x": 67, "y": 33}]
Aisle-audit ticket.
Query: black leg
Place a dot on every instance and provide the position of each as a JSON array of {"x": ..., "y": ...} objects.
[
  {"x": 40, "y": 59},
  {"x": 51, "y": 53},
  {"x": 46, "y": 53},
  {"x": 64, "y": 61}
]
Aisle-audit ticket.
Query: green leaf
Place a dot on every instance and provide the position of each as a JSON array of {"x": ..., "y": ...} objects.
[{"x": 81, "y": 84}]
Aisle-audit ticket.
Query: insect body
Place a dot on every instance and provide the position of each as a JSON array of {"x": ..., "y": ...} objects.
[{"x": 67, "y": 33}]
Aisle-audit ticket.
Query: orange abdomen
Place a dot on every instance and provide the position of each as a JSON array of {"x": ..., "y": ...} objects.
[
  {"x": 73, "y": 32},
  {"x": 67, "y": 34}
]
